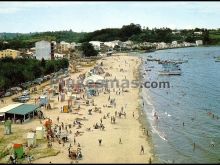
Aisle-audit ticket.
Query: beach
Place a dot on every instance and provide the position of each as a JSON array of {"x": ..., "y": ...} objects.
[{"x": 121, "y": 141}]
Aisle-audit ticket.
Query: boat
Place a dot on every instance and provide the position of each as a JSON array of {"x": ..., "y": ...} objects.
[
  {"x": 218, "y": 60},
  {"x": 150, "y": 66},
  {"x": 174, "y": 72},
  {"x": 147, "y": 70},
  {"x": 170, "y": 69}
]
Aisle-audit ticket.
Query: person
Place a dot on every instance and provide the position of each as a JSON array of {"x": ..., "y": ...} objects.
[
  {"x": 183, "y": 124},
  {"x": 74, "y": 140},
  {"x": 120, "y": 141},
  {"x": 142, "y": 149},
  {"x": 100, "y": 142},
  {"x": 133, "y": 114},
  {"x": 58, "y": 119},
  {"x": 194, "y": 146},
  {"x": 150, "y": 160}
]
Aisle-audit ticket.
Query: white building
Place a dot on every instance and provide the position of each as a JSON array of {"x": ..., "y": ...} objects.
[
  {"x": 96, "y": 44},
  {"x": 72, "y": 45},
  {"x": 43, "y": 50},
  {"x": 198, "y": 33},
  {"x": 58, "y": 55},
  {"x": 174, "y": 44},
  {"x": 64, "y": 46},
  {"x": 161, "y": 45},
  {"x": 199, "y": 42}
]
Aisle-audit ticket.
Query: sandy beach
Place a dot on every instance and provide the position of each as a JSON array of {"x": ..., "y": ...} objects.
[{"x": 128, "y": 127}]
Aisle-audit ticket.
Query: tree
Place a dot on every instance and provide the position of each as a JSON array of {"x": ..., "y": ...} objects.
[
  {"x": 43, "y": 63},
  {"x": 206, "y": 39},
  {"x": 88, "y": 50}
]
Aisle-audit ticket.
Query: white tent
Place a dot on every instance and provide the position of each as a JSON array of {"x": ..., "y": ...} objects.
[
  {"x": 93, "y": 79},
  {"x": 39, "y": 133},
  {"x": 31, "y": 139}
]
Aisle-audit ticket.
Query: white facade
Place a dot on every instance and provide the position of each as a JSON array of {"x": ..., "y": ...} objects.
[
  {"x": 43, "y": 50},
  {"x": 198, "y": 33},
  {"x": 72, "y": 45},
  {"x": 64, "y": 46},
  {"x": 199, "y": 42},
  {"x": 58, "y": 55},
  {"x": 161, "y": 45},
  {"x": 96, "y": 44}
]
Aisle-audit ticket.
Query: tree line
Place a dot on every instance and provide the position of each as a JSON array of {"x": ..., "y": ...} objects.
[
  {"x": 133, "y": 32},
  {"x": 20, "y": 70}
]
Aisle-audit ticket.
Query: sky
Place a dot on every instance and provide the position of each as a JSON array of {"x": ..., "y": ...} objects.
[{"x": 25, "y": 17}]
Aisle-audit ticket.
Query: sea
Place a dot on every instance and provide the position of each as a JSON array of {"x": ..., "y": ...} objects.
[{"x": 187, "y": 129}]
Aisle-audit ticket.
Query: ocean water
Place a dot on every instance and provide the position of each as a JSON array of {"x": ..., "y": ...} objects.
[{"x": 193, "y": 98}]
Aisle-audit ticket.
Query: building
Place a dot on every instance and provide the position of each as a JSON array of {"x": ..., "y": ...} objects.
[
  {"x": 44, "y": 49},
  {"x": 199, "y": 42},
  {"x": 72, "y": 45},
  {"x": 20, "y": 111},
  {"x": 198, "y": 33},
  {"x": 161, "y": 45},
  {"x": 58, "y": 55},
  {"x": 96, "y": 44},
  {"x": 9, "y": 53},
  {"x": 64, "y": 46}
]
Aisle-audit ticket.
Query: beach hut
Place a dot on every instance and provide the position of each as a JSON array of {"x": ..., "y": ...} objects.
[
  {"x": 31, "y": 139},
  {"x": 39, "y": 133},
  {"x": 65, "y": 109},
  {"x": 8, "y": 126},
  {"x": 43, "y": 100},
  {"x": 18, "y": 150}
]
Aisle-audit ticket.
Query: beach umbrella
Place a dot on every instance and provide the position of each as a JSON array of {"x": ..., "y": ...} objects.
[{"x": 93, "y": 79}]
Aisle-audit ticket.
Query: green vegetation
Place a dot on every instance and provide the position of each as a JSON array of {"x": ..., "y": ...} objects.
[
  {"x": 17, "y": 41},
  {"x": 16, "y": 71},
  {"x": 133, "y": 32},
  {"x": 88, "y": 50},
  {"x": 214, "y": 36}
]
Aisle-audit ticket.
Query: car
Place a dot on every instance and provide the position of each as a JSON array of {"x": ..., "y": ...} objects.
[
  {"x": 25, "y": 92},
  {"x": 38, "y": 81},
  {"x": 7, "y": 94}
]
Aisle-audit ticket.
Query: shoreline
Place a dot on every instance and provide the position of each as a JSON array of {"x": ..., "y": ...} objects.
[{"x": 143, "y": 117}]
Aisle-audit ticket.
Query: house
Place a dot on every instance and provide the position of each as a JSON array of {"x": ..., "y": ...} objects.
[
  {"x": 44, "y": 49},
  {"x": 9, "y": 53},
  {"x": 64, "y": 46},
  {"x": 174, "y": 44},
  {"x": 96, "y": 44},
  {"x": 198, "y": 33},
  {"x": 58, "y": 55},
  {"x": 72, "y": 45},
  {"x": 161, "y": 45},
  {"x": 199, "y": 42},
  {"x": 175, "y": 32}
]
